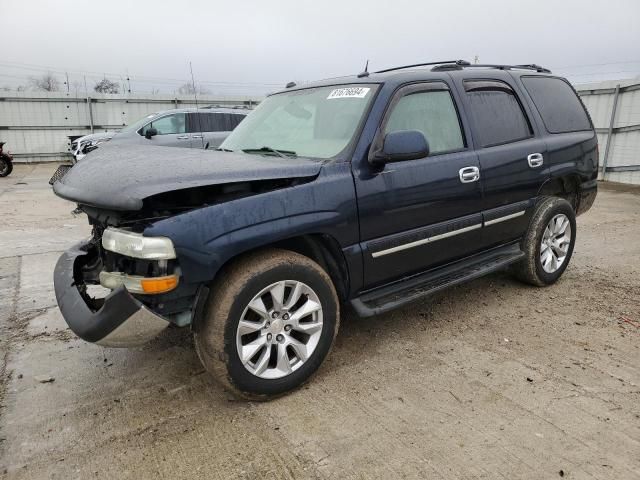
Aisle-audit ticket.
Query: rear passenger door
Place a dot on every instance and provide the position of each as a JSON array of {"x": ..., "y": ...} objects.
[
  {"x": 511, "y": 155},
  {"x": 418, "y": 214},
  {"x": 214, "y": 128}
]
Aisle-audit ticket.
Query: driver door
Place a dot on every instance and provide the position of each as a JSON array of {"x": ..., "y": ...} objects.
[
  {"x": 419, "y": 214},
  {"x": 172, "y": 131}
]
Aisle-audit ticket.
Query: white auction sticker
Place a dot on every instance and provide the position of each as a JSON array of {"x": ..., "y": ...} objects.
[{"x": 351, "y": 92}]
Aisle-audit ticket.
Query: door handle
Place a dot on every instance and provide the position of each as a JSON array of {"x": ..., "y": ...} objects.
[
  {"x": 196, "y": 136},
  {"x": 469, "y": 174},
  {"x": 535, "y": 160},
  {"x": 183, "y": 137}
]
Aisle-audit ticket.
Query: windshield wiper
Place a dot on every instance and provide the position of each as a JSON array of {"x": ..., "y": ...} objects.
[
  {"x": 219, "y": 149},
  {"x": 281, "y": 153}
]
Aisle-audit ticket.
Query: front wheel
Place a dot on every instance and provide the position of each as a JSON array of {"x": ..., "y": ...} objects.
[
  {"x": 271, "y": 320},
  {"x": 6, "y": 167},
  {"x": 548, "y": 243}
]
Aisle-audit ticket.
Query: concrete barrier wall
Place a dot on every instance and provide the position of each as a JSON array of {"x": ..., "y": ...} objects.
[{"x": 36, "y": 126}]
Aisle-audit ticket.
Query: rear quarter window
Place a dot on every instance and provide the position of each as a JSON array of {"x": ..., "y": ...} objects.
[{"x": 560, "y": 108}]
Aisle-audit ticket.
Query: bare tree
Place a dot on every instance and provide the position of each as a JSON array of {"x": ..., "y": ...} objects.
[
  {"x": 46, "y": 82},
  {"x": 189, "y": 89},
  {"x": 106, "y": 86}
]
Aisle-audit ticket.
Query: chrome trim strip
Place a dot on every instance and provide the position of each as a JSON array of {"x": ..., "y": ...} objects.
[
  {"x": 417, "y": 243},
  {"x": 504, "y": 219}
]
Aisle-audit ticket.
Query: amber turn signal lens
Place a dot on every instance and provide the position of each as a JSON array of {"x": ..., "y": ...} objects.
[{"x": 159, "y": 284}]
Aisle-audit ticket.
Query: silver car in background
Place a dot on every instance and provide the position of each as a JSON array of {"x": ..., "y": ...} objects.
[{"x": 204, "y": 127}]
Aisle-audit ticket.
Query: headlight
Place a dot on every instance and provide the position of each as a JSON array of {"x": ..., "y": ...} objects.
[
  {"x": 99, "y": 141},
  {"x": 135, "y": 245}
]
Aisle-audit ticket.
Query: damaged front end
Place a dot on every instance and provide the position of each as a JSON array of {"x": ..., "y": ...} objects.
[{"x": 142, "y": 277}]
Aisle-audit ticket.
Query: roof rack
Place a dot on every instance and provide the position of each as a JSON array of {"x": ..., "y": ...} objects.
[
  {"x": 460, "y": 64},
  {"x": 455, "y": 62}
]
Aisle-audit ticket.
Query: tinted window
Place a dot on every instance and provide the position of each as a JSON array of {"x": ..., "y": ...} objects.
[
  {"x": 213, "y": 121},
  {"x": 171, "y": 124},
  {"x": 432, "y": 113},
  {"x": 559, "y": 107},
  {"x": 497, "y": 114}
]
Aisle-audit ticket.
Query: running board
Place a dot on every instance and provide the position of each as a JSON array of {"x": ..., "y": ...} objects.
[{"x": 409, "y": 289}]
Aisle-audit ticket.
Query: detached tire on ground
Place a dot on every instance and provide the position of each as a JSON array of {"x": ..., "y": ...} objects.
[
  {"x": 548, "y": 243},
  {"x": 270, "y": 321},
  {"x": 6, "y": 167}
]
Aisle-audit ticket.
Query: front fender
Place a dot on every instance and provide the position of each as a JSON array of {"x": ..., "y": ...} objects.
[{"x": 208, "y": 237}]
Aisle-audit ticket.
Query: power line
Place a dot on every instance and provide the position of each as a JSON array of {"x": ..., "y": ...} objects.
[{"x": 139, "y": 78}]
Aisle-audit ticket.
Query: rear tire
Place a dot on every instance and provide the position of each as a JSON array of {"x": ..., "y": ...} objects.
[
  {"x": 6, "y": 167},
  {"x": 548, "y": 243},
  {"x": 260, "y": 356}
]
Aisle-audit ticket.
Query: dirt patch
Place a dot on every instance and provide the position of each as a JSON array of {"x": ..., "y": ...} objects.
[{"x": 492, "y": 379}]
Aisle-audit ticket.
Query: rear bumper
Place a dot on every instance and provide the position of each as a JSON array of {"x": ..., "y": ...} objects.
[{"x": 121, "y": 321}]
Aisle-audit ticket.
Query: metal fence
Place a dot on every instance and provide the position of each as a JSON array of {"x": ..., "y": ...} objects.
[
  {"x": 37, "y": 126},
  {"x": 615, "y": 110}
]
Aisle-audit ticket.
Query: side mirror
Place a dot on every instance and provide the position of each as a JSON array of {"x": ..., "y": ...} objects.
[
  {"x": 151, "y": 132},
  {"x": 401, "y": 145}
]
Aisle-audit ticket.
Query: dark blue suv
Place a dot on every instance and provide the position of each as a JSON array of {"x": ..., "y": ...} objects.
[{"x": 371, "y": 191}]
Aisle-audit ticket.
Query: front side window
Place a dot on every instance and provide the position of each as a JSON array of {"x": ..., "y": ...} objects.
[
  {"x": 561, "y": 110},
  {"x": 315, "y": 122},
  {"x": 169, "y": 125},
  {"x": 432, "y": 113},
  {"x": 496, "y": 112}
]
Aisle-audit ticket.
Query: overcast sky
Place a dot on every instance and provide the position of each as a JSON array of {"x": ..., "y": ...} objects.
[{"x": 258, "y": 46}]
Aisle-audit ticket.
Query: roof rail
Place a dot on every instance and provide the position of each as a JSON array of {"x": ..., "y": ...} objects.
[
  {"x": 456, "y": 62},
  {"x": 460, "y": 64},
  {"x": 535, "y": 67}
]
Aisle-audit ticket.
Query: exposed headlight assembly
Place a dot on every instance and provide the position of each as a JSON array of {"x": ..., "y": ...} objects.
[{"x": 136, "y": 245}]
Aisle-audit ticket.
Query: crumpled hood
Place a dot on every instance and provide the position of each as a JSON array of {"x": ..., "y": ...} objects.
[{"x": 119, "y": 177}]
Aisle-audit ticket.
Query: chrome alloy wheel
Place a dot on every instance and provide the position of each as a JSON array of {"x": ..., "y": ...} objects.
[
  {"x": 279, "y": 329},
  {"x": 556, "y": 240}
]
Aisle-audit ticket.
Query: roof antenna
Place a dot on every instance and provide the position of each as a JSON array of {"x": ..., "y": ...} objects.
[{"x": 366, "y": 70}]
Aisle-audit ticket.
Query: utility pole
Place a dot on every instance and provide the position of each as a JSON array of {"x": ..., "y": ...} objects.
[{"x": 88, "y": 104}]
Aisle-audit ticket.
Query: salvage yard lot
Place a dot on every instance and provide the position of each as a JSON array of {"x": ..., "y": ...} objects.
[{"x": 493, "y": 379}]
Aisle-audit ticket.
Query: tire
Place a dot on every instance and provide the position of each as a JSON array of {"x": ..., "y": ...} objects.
[
  {"x": 6, "y": 167},
  {"x": 218, "y": 338},
  {"x": 537, "y": 268}
]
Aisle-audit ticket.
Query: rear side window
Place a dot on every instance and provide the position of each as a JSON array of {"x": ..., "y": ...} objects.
[
  {"x": 497, "y": 114},
  {"x": 213, "y": 122},
  {"x": 560, "y": 108},
  {"x": 432, "y": 113}
]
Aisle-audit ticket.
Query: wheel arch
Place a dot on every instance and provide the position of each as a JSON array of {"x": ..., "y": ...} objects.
[
  {"x": 567, "y": 187},
  {"x": 321, "y": 248}
]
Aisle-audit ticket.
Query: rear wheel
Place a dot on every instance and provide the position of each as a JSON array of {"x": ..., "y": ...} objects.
[
  {"x": 271, "y": 320},
  {"x": 6, "y": 167},
  {"x": 548, "y": 243}
]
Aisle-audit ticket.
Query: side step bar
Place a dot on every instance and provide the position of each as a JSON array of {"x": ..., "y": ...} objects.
[{"x": 412, "y": 288}]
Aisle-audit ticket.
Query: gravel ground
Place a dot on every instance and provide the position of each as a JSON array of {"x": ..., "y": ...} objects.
[{"x": 493, "y": 379}]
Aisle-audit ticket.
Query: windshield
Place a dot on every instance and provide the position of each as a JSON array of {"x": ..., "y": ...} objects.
[
  {"x": 137, "y": 125},
  {"x": 316, "y": 122}
]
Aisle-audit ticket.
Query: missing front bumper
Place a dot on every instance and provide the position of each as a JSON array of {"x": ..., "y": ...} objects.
[{"x": 121, "y": 321}]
